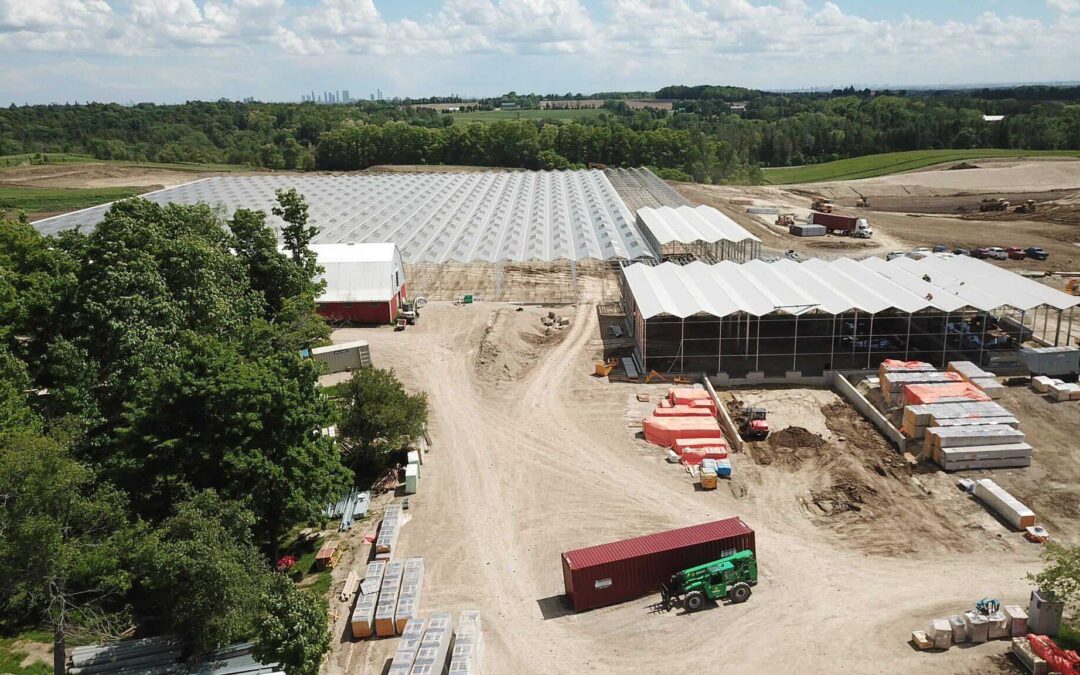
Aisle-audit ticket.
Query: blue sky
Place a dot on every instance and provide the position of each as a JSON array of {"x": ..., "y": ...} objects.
[{"x": 175, "y": 50}]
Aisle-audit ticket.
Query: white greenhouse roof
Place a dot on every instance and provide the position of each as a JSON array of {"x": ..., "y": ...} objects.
[
  {"x": 689, "y": 224},
  {"x": 873, "y": 285},
  {"x": 360, "y": 272},
  {"x": 434, "y": 217}
]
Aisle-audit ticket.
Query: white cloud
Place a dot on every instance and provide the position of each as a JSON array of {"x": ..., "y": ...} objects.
[{"x": 1066, "y": 6}]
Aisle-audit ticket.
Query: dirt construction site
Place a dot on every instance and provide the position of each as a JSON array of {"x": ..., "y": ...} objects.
[{"x": 532, "y": 455}]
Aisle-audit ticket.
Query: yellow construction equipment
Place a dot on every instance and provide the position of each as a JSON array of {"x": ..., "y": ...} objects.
[
  {"x": 1073, "y": 287},
  {"x": 822, "y": 205},
  {"x": 604, "y": 368},
  {"x": 862, "y": 202},
  {"x": 655, "y": 376}
]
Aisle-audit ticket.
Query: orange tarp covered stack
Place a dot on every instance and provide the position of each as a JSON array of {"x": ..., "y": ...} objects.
[
  {"x": 686, "y": 395},
  {"x": 692, "y": 450},
  {"x": 682, "y": 411},
  {"x": 898, "y": 366},
  {"x": 664, "y": 431},
  {"x": 944, "y": 392}
]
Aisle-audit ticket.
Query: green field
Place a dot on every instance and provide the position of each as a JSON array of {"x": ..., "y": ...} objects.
[
  {"x": 38, "y": 200},
  {"x": 870, "y": 166},
  {"x": 60, "y": 159},
  {"x": 497, "y": 115}
]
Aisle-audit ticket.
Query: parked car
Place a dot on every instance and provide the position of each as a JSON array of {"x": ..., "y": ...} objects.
[
  {"x": 941, "y": 248},
  {"x": 1015, "y": 253},
  {"x": 996, "y": 253},
  {"x": 1036, "y": 253},
  {"x": 961, "y": 251},
  {"x": 919, "y": 253},
  {"x": 893, "y": 255},
  {"x": 981, "y": 252}
]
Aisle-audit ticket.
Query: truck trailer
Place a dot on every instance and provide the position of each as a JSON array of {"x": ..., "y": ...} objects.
[{"x": 836, "y": 223}]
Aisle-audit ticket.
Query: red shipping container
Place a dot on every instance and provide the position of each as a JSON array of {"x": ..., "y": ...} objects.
[
  {"x": 681, "y": 411},
  {"x": 612, "y": 573},
  {"x": 663, "y": 431}
]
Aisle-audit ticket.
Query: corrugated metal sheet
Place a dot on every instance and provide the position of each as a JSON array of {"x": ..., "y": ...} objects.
[
  {"x": 435, "y": 217},
  {"x": 624, "y": 570},
  {"x": 758, "y": 288}
]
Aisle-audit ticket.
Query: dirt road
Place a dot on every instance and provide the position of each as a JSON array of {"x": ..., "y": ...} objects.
[{"x": 545, "y": 460}]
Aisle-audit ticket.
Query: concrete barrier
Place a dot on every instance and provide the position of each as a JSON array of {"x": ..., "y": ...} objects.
[
  {"x": 867, "y": 410},
  {"x": 726, "y": 423}
]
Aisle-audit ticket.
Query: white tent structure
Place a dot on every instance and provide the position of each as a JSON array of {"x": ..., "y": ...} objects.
[
  {"x": 700, "y": 231},
  {"x": 819, "y": 315}
]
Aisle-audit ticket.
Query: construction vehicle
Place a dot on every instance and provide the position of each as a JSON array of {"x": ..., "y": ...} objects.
[
  {"x": 785, "y": 219},
  {"x": 1073, "y": 287},
  {"x": 655, "y": 376},
  {"x": 993, "y": 204},
  {"x": 1026, "y": 207},
  {"x": 862, "y": 202},
  {"x": 822, "y": 204},
  {"x": 409, "y": 311},
  {"x": 604, "y": 368},
  {"x": 729, "y": 577},
  {"x": 752, "y": 422}
]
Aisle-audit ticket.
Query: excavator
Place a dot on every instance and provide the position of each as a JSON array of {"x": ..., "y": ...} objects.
[
  {"x": 729, "y": 577},
  {"x": 993, "y": 204}
]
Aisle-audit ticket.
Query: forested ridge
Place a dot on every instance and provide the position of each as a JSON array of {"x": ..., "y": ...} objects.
[{"x": 705, "y": 138}]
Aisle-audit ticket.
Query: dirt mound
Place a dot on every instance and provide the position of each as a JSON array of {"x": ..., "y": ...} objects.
[
  {"x": 849, "y": 492},
  {"x": 795, "y": 437},
  {"x": 788, "y": 448},
  {"x": 961, "y": 166},
  {"x": 510, "y": 344}
]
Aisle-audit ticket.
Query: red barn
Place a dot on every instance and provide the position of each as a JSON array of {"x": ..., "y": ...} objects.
[{"x": 365, "y": 283}]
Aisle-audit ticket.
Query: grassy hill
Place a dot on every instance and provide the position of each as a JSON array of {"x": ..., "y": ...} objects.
[
  {"x": 66, "y": 159},
  {"x": 870, "y": 166},
  {"x": 35, "y": 200}
]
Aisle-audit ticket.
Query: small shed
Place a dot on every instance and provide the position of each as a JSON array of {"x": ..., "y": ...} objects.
[{"x": 365, "y": 283}]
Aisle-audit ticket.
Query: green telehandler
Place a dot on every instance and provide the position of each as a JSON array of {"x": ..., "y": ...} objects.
[{"x": 731, "y": 576}]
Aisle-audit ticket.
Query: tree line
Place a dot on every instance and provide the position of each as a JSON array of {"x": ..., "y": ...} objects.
[
  {"x": 704, "y": 138},
  {"x": 161, "y": 431}
]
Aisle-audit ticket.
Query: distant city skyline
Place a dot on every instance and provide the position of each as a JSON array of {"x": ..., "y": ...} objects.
[{"x": 170, "y": 51}]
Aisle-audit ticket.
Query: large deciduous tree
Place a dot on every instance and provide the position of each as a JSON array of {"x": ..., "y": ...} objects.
[
  {"x": 292, "y": 628},
  {"x": 379, "y": 417}
]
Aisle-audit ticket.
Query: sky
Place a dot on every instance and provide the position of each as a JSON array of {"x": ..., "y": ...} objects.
[{"x": 171, "y": 51}]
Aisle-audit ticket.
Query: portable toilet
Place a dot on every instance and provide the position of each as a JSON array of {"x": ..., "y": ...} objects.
[
  {"x": 412, "y": 477},
  {"x": 1044, "y": 615}
]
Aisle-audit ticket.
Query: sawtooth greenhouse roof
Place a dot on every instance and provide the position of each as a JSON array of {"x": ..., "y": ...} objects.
[
  {"x": 689, "y": 224},
  {"x": 489, "y": 216},
  {"x": 758, "y": 288}
]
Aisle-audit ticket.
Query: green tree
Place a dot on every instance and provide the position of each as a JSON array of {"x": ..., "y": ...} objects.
[
  {"x": 379, "y": 417},
  {"x": 296, "y": 233},
  {"x": 1061, "y": 576},
  {"x": 204, "y": 576},
  {"x": 292, "y": 628},
  {"x": 64, "y": 542}
]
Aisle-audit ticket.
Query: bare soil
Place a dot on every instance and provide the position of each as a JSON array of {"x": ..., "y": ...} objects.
[{"x": 854, "y": 553}]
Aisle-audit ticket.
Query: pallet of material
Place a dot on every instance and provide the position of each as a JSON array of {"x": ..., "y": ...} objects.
[
  {"x": 373, "y": 576},
  {"x": 664, "y": 431},
  {"x": 897, "y": 366},
  {"x": 942, "y": 392},
  {"x": 971, "y": 436},
  {"x": 967, "y": 370},
  {"x": 981, "y": 452},
  {"x": 985, "y": 464},
  {"x": 389, "y": 529},
  {"x": 388, "y": 597},
  {"x": 352, "y": 584},
  {"x": 1017, "y": 620},
  {"x": 412, "y": 582},
  {"x": 405, "y": 656},
  {"x": 917, "y": 418},
  {"x": 363, "y": 616},
  {"x": 1065, "y": 391},
  {"x": 435, "y": 647},
  {"x": 468, "y": 654},
  {"x": 1042, "y": 383},
  {"x": 978, "y": 422},
  {"x": 1008, "y": 507},
  {"x": 1023, "y": 652},
  {"x": 989, "y": 386},
  {"x": 892, "y": 384}
]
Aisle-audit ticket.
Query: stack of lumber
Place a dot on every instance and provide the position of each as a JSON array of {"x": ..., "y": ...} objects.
[
  {"x": 1004, "y": 504},
  {"x": 468, "y": 655},
  {"x": 977, "y": 376},
  {"x": 664, "y": 431},
  {"x": 363, "y": 616},
  {"x": 352, "y": 582},
  {"x": 942, "y": 392},
  {"x": 435, "y": 647},
  {"x": 897, "y": 366},
  {"x": 408, "y": 604},
  {"x": 1064, "y": 391},
  {"x": 1035, "y": 664},
  {"x": 405, "y": 656},
  {"x": 919, "y": 418},
  {"x": 977, "y": 447},
  {"x": 388, "y": 597},
  {"x": 388, "y": 532},
  {"x": 694, "y": 451}
]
